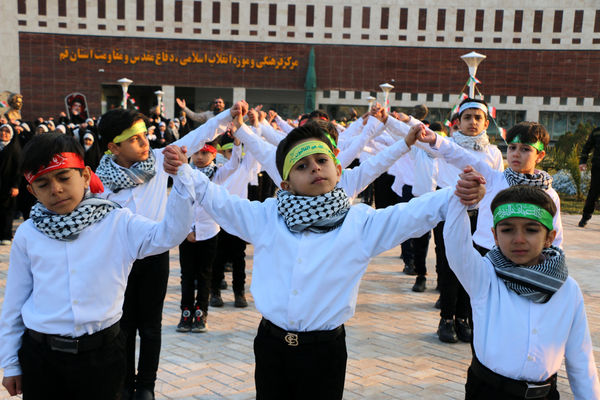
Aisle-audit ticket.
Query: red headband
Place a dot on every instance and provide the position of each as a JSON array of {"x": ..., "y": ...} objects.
[
  {"x": 209, "y": 148},
  {"x": 62, "y": 161}
]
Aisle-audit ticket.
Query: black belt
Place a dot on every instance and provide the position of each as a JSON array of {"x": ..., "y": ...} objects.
[
  {"x": 298, "y": 338},
  {"x": 522, "y": 389},
  {"x": 76, "y": 345}
]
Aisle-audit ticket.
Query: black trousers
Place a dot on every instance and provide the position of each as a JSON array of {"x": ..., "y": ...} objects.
[
  {"x": 196, "y": 260},
  {"x": 95, "y": 374},
  {"x": 142, "y": 314},
  {"x": 309, "y": 371},
  {"x": 593, "y": 193},
  {"x": 384, "y": 195},
  {"x": 7, "y": 213},
  {"x": 408, "y": 254},
  {"x": 230, "y": 248},
  {"x": 477, "y": 389}
]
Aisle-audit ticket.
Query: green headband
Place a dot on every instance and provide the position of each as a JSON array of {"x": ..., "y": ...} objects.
[
  {"x": 227, "y": 146},
  {"x": 523, "y": 210},
  {"x": 135, "y": 129},
  {"x": 305, "y": 149},
  {"x": 539, "y": 146},
  {"x": 331, "y": 139}
]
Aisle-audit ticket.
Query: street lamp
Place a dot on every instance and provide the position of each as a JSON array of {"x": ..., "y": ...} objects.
[
  {"x": 124, "y": 85},
  {"x": 371, "y": 100},
  {"x": 386, "y": 88},
  {"x": 159, "y": 95},
  {"x": 472, "y": 60}
]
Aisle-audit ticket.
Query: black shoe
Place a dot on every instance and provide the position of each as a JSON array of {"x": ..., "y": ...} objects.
[
  {"x": 420, "y": 284},
  {"x": 446, "y": 331},
  {"x": 438, "y": 303},
  {"x": 240, "y": 300},
  {"x": 584, "y": 220},
  {"x": 223, "y": 284},
  {"x": 127, "y": 394},
  {"x": 185, "y": 323},
  {"x": 215, "y": 299},
  {"x": 409, "y": 269},
  {"x": 463, "y": 330},
  {"x": 199, "y": 321},
  {"x": 143, "y": 394},
  {"x": 228, "y": 267}
]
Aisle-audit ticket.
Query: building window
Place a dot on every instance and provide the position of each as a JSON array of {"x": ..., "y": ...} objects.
[
  {"x": 366, "y": 17},
  {"x": 578, "y": 21},
  {"x": 403, "y": 18},
  {"x": 235, "y": 13},
  {"x": 441, "y": 20},
  {"x": 357, "y": 95},
  {"x": 22, "y": 7},
  {"x": 398, "y": 96},
  {"x": 556, "y": 41},
  {"x": 460, "y": 20},
  {"x": 273, "y": 14},
  {"x": 519, "y": 100},
  {"x": 62, "y": 8},
  {"x": 445, "y": 97},
  {"x": 328, "y": 16},
  {"x": 385, "y": 18},
  {"x": 291, "y": 15},
  {"x": 326, "y": 94},
  {"x": 253, "y": 13},
  {"x": 503, "y": 99},
  {"x": 547, "y": 100},
  {"x": 198, "y": 11},
  {"x": 216, "y": 18},
  {"x": 81, "y": 8},
  {"x": 580, "y": 101},
  {"x": 422, "y": 19},
  {"x": 341, "y": 94},
  {"x": 518, "y": 27},
  {"x": 597, "y": 101},
  {"x": 458, "y": 39},
  {"x": 563, "y": 101},
  {"x": 576, "y": 41},
  {"x": 41, "y": 7},
  {"x": 178, "y": 10},
  {"x": 310, "y": 15},
  {"x": 158, "y": 10},
  {"x": 414, "y": 96},
  {"x": 139, "y": 10},
  {"x": 597, "y": 21},
  {"x": 558, "y": 18},
  {"x": 499, "y": 21},
  {"x": 347, "y": 17},
  {"x": 479, "y": 20},
  {"x": 429, "y": 96},
  {"x": 120, "y": 9},
  {"x": 538, "y": 18}
]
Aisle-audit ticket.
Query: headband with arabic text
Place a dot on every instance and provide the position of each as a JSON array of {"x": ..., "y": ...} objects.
[
  {"x": 539, "y": 146},
  {"x": 523, "y": 210},
  {"x": 305, "y": 149},
  {"x": 63, "y": 161},
  {"x": 135, "y": 129},
  {"x": 473, "y": 104}
]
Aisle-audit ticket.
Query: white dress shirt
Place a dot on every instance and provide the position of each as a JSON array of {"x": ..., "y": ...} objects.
[
  {"x": 513, "y": 336},
  {"x": 72, "y": 288},
  {"x": 309, "y": 281}
]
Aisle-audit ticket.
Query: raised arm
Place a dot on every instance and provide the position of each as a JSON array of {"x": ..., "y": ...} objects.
[
  {"x": 194, "y": 116},
  {"x": 261, "y": 150},
  {"x": 357, "y": 143},
  {"x": 207, "y": 132}
]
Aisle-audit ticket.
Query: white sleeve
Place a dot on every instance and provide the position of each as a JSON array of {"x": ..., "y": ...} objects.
[
  {"x": 466, "y": 262},
  {"x": 579, "y": 356},
  {"x": 19, "y": 285},
  {"x": 352, "y": 130},
  {"x": 459, "y": 157},
  {"x": 356, "y": 145},
  {"x": 263, "y": 152},
  {"x": 206, "y": 132},
  {"x": 229, "y": 167},
  {"x": 283, "y": 125},
  {"x": 270, "y": 134}
]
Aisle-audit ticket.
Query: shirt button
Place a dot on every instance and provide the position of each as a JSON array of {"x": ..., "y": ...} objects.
[
  {"x": 75, "y": 302},
  {"x": 295, "y": 292},
  {"x": 534, "y": 331},
  {"x": 299, "y": 261},
  {"x": 529, "y": 358}
]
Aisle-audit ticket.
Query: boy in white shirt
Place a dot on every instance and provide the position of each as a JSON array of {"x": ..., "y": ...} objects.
[
  {"x": 528, "y": 313},
  {"x": 59, "y": 331},
  {"x": 311, "y": 250}
]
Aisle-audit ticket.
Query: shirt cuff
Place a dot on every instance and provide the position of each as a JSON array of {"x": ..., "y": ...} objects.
[
  {"x": 12, "y": 370},
  {"x": 183, "y": 182}
]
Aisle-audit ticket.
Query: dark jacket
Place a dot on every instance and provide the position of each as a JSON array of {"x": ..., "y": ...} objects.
[
  {"x": 9, "y": 169},
  {"x": 592, "y": 144}
]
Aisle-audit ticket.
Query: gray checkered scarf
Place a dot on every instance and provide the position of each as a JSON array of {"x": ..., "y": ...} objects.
[
  {"x": 317, "y": 214},
  {"x": 210, "y": 170},
  {"x": 541, "y": 179},
  {"x": 68, "y": 227},
  {"x": 477, "y": 143},
  {"x": 535, "y": 282},
  {"x": 117, "y": 178}
]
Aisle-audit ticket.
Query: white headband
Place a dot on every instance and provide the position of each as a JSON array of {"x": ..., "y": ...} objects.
[{"x": 473, "y": 104}]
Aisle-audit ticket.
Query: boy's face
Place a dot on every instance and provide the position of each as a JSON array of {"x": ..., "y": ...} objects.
[
  {"x": 61, "y": 190},
  {"x": 313, "y": 175},
  {"x": 130, "y": 151},
  {"x": 523, "y": 158},
  {"x": 472, "y": 122},
  {"x": 522, "y": 240},
  {"x": 202, "y": 158}
]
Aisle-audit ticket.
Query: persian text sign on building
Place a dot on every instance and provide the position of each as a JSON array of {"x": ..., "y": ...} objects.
[{"x": 164, "y": 57}]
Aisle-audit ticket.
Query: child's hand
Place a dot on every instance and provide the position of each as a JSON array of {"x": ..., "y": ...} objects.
[
  {"x": 272, "y": 115},
  {"x": 252, "y": 117},
  {"x": 428, "y": 136},
  {"x": 470, "y": 188},
  {"x": 174, "y": 158},
  {"x": 239, "y": 108},
  {"x": 415, "y": 132},
  {"x": 12, "y": 384},
  {"x": 261, "y": 116},
  {"x": 191, "y": 237}
]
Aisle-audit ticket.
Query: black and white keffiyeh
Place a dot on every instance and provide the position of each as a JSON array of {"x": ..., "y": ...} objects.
[
  {"x": 540, "y": 179},
  {"x": 477, "y": 143},
  {"x": 209, "y": 170},
  {"x": 317, "y": 214},
  {"x": 536, "y": 282},
  {"x": 68, "y": 227},
  {"x": 117, "y": 178}
]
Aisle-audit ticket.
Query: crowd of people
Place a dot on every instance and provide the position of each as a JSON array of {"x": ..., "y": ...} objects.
[{"x": 67, "y": 328}]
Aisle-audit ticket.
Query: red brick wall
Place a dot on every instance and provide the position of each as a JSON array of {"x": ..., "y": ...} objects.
[{"x": 45, "y": 79}]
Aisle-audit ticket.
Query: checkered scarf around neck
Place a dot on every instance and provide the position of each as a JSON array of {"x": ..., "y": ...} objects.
[
  {"x": 117, "y": 178},
  {"x": 209, "y": 170},
  {"x": 535, "y": 282},
  {"x": 67, "y": 227},
  {"x": 540, "y": 179},
  {"x": 477, "y": 143},
  {"x": 316, "y": 214}
]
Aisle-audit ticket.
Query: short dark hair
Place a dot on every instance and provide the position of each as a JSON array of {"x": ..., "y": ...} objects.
[
  {"x": 114, "y": 122},
  {"x": 528, "y": 132},
  {"x": 40, "y": 150},
  {"x": 420, "y": 111},
  {"x": 310, "y": 130},
  {"x": 470, "y": 100},
  {"x": 319, "y": 114},
  {"x": 329, "y": 128},
  {"x": 437, "y": 126},
  {"x": 524, "y": 194}
]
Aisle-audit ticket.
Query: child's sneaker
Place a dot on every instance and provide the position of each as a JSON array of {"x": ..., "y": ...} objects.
[
  {"x": 185, "y": 323},
  {"x": 215, "y": 298},
  {"x": 199, "y": 321}
]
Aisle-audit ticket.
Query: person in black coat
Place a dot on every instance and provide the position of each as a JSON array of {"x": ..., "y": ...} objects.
[
  {"x": 10, "y": 153},
  {"x": 592, "y": 144}
]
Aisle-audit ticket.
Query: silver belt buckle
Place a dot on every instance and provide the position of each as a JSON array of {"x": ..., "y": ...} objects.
[
  {"x": 291, "y": 339},
  {"x": 537, "y": 391},
  {"x": 64, "y": 345}
]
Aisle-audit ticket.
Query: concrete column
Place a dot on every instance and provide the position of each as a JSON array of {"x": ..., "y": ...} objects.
[
  {"x": 169, "y": 100},
  {"x": 9, "y": 48},
  {"x": 239, "y": 93}
]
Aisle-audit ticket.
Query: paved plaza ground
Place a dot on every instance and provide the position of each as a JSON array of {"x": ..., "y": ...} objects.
[{"x": 393, "y": 351}]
